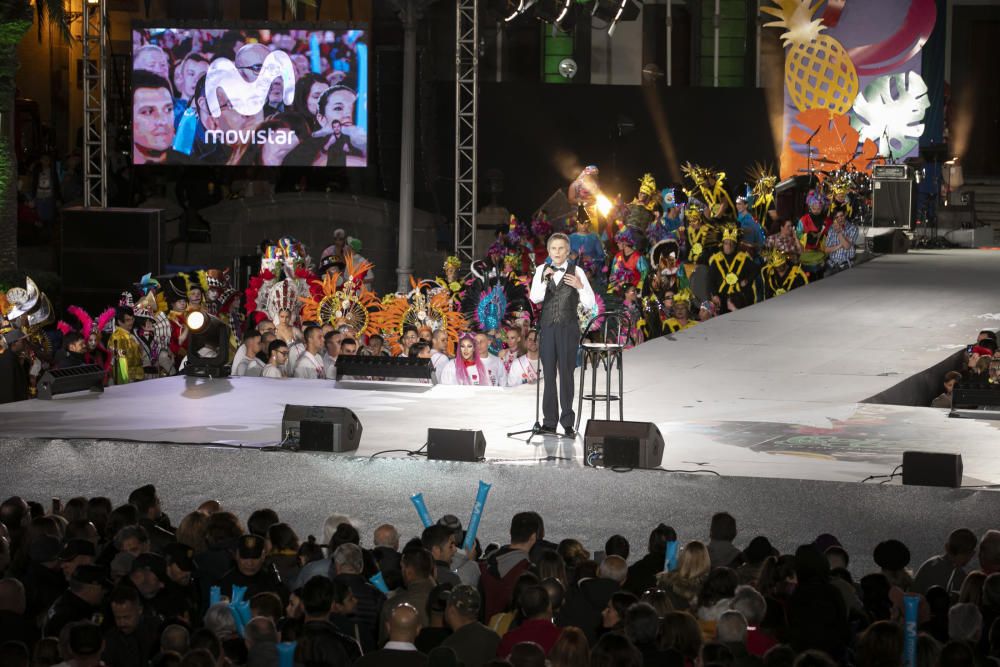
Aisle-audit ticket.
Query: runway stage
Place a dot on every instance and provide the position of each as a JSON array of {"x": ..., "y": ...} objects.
[{"x": 774, "y": 391}]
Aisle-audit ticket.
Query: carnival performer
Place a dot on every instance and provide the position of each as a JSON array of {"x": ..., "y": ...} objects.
[
  {"x": 782, "y": 274},
  {"x": 681, "y": 309},
  {"x": 125, "y": 350},
  {"x": 700, "y": 236},
  {"x": 811, "y": 230},
  {"x": 560, "y": 286},
  {"x": 751, "y": 233},
  {"x": 629, "y": 265},
  {"x": 731, "y": 271},
  {"x": 525, "y": 368},
  {"x": 467, "y": 368},
  {"x": 284, "y": 329}
]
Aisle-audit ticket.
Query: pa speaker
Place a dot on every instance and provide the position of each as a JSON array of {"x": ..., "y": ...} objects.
[
  {"x": 88, "y": 377},
  {"x": 932, "y": 469},
  {"x": 889, "y": 242},
  {"x": 892, "y": 203},
  {"x": 446, "y": 444},
  {"x": 615, "y": 444},
  {"x": 319, "y": 428}
]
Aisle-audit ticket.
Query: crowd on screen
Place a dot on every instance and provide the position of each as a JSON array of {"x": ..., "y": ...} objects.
[
  {"x": 87, "y": 583},
  {"x": 184, "y": 113}
]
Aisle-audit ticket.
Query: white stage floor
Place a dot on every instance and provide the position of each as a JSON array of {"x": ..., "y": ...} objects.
[{"x": 771, "y": 391}]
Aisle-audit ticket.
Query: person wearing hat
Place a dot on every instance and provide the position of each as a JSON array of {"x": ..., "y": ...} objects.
[
  {"x": 177, "y": 304},
  {"x": 758, "y": 551},
  {"x": 472, "y": 642},
  {"x": 43, "y": 579},
  {"x": 731, "y": 271},
  {"x": 147, "y": 576},
  {"x": 180, "y": 589},
  {"x": 81, "y": 600},
  {"x": 74, "y": 554},
  {"x": 251, "y": 573},
  {"x": 681, "y": 313},
  {"x": 893, "y": 556},
  {"x": 782, "y": 274},
  {"x": 812, "y": 229}
]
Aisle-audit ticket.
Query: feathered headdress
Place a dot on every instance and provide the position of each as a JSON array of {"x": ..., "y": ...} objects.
[
  {"x": 541, "y": 227},
  {"x": 731, "y": 233},
  {"x": 710, "y": 183},
  {"x": 815, "y": 197},
  {"x": 684, "y": 296},
  {"x": 420, "y": 307},
  {"x": 487, "y": 303},
  {"x": 647, "y": 186},
  {"x": 350, "y": 303},
  {"x": 776, "y": 258},
  {"x": 762, "y": 180},
  {"x": 693, "y": 210},
  {"x": 452, "y": 262},
  {"x": 629, "y": 235}
]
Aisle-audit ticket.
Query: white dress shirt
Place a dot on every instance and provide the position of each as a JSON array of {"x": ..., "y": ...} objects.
[
  {"x": 309, "y": 366},
  {"x": 539, "y": 286}
]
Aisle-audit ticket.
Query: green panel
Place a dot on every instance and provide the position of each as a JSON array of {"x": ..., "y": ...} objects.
[
  {"x": 555, "y": 78},
  {"x": 559, "y": 46}
]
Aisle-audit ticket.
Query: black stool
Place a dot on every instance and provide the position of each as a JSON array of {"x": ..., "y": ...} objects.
[{"x": 607, "y": 353}]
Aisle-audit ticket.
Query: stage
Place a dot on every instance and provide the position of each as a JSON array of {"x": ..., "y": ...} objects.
[{"x": 774, "y": 391}]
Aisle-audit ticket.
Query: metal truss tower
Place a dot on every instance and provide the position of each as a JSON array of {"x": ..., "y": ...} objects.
[
  {"x": 95, "y": 103},
  {"x": 466, "y": 115}
]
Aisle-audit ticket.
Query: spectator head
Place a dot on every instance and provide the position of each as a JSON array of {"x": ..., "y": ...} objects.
[
  {"x": 720, "y": 585},
  {"x": 525, "y": 529},
  {"x": 616, "y": 546},
  {"x": 965, "y": 622},
  {"x": 250, "y": 555},
  {"x": 961, "y": 546},
  {"x": 463, "y": 606},
  {"x": 82, "y": 529},
  {"x": 317, "y": 597},
  {"x": 260, "y": 521},
  {"x": 260, "y": 630},
  {"x": 74, "y": 554},
  {"x": 957, "y": 654},
  {"x": 570, "y": 649},
  {"x": 534, "y": 602},
  {"x": 972, "y": 588},
  {"x": 14, "y": 514},
  {"x": 928, "y": 650},
  {"x": 679, "y": 631},
  {"x": 750, "y": 603},
  {"x": 146, "y": 501},
  {"x": 614, "y": 568},
  {"x": 880, "y": 645},
  {"x": 85, "y": 642},
  {"x": 268, "y": 605},
  {"x": 641, "y": 624},
  {"x": 723, "y": 527},
  {"x": 180, "y": 565},
  {"x": 386, "y": 535},
  {"x": 332, "y": 523},
  {"x": 693, "y": 560},
  {"x": 551, "y": 565},
  {"x": 148, "y": 574},
  {"x": 88, "y": 583},
  {"x": 74, "y": 342},
  {"x": 837, "y": 557},
  {"x": 810, "y": 564},
  {"x": 403, "y": 623},
  {"x": 731, "y": 628},
  {"x": 991, "y": 592},
  {"x": 989, "y": 552},
  {"x": 206, "y": 640},
  {"x": 891, "y": 556},
  {"x": 126, "y": 607},
  {"x": 781, "y": 655},
  {"x": 526, "y": 654},
  {"x": 152, "y": 116},
  {"x": 659, "y": 600},
  {"x": 417, "y": 564},
  {"x": 556, "y": 591},
  {"x": 573, "y": 553},
  {"x": 440, "y": 541},
  {"x": 12, "y": 596},
  {"x": 348, "y": 559},
  {"x": 281, "y": 537},
  {"x": 345, "y": 534},
  {"x": 615, "y": 650},
  {"x": 175, "y": 638},
  {"x": 613, "y": 614},
  {"x": 199, "y": 657},
  {"x": 132, "y": 539},
  {"x": 759, "y": 550},
  {"x": 814, "y": 658},
  {"x": 659, "y": 537}
]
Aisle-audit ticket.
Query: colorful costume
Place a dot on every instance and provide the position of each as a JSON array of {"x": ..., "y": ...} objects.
[
  {"x": 732, "y": 273},
  {"x": 633, "y": 267},
  {"x": 351, "y": 303},
  {"x": 421, "y": 307},
  {"x": 782, "y": 274},
  {"x": 681, "y": 306}
]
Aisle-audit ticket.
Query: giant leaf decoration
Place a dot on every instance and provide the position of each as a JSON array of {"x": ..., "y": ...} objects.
[{"x": 892, "y": 106}]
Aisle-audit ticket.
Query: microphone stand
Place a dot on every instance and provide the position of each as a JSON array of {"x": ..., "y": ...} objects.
[{"x": 809, "y": 154}]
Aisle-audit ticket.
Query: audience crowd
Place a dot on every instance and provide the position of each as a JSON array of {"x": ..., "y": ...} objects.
[
  {"x": 980, "y": 363},
  {"x": 87, "y": 584}
]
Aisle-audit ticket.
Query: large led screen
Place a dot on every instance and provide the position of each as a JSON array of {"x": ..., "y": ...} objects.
[{"x": 249, "y": 97}]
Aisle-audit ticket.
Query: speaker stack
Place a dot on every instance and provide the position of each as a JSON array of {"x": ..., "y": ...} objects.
[
  {"x": 622, "y": 444},
  {"x": 320, "y": 428},
  {"x": 893, "y": 193}
]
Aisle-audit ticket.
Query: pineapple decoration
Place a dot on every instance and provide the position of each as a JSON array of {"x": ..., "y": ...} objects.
[{"x": 819, "y": 73}]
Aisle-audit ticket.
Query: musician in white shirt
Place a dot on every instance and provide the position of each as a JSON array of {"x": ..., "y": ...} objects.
[
  {"x": 525, "y": 368},
  {"x": 309, "y": 364}
]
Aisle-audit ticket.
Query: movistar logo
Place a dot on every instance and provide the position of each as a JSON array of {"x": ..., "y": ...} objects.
[{"x": 248, "y": 97}]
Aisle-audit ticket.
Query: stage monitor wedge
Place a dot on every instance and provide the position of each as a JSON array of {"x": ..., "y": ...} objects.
[
  {"x": 932, "y": 469},
  {"x": 86, "y": 377},
  {"x": 622, "y": 444},
  {"x": 447, "y": 444},
  {"x": 320, "y": 428}
]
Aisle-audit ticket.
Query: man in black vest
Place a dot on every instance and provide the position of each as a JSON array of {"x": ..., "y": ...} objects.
[{"x": 560, "y": 286}]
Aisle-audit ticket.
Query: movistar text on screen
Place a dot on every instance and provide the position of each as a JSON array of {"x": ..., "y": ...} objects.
[{"x": 241, "y": 137}]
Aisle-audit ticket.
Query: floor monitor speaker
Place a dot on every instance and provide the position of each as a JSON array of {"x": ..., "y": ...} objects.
[
  {"x": 621, "y": 444},
  {"x": 932, "y": 469},
  {"x": 320, "y": 428},
  {"x": 447, "y": 444}
]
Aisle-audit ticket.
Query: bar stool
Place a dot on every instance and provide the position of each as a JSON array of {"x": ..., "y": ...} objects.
[{"x": 606, "y": 353}]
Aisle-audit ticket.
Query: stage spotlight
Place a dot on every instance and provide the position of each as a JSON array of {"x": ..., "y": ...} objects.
[
  {"x": 551, "y": 11},
  {"x": 604, "y": 205},
  {"x": 208, "y": 346},
  {"x": 613, "y": 11},
  {"x": 567, "y": 68}
]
